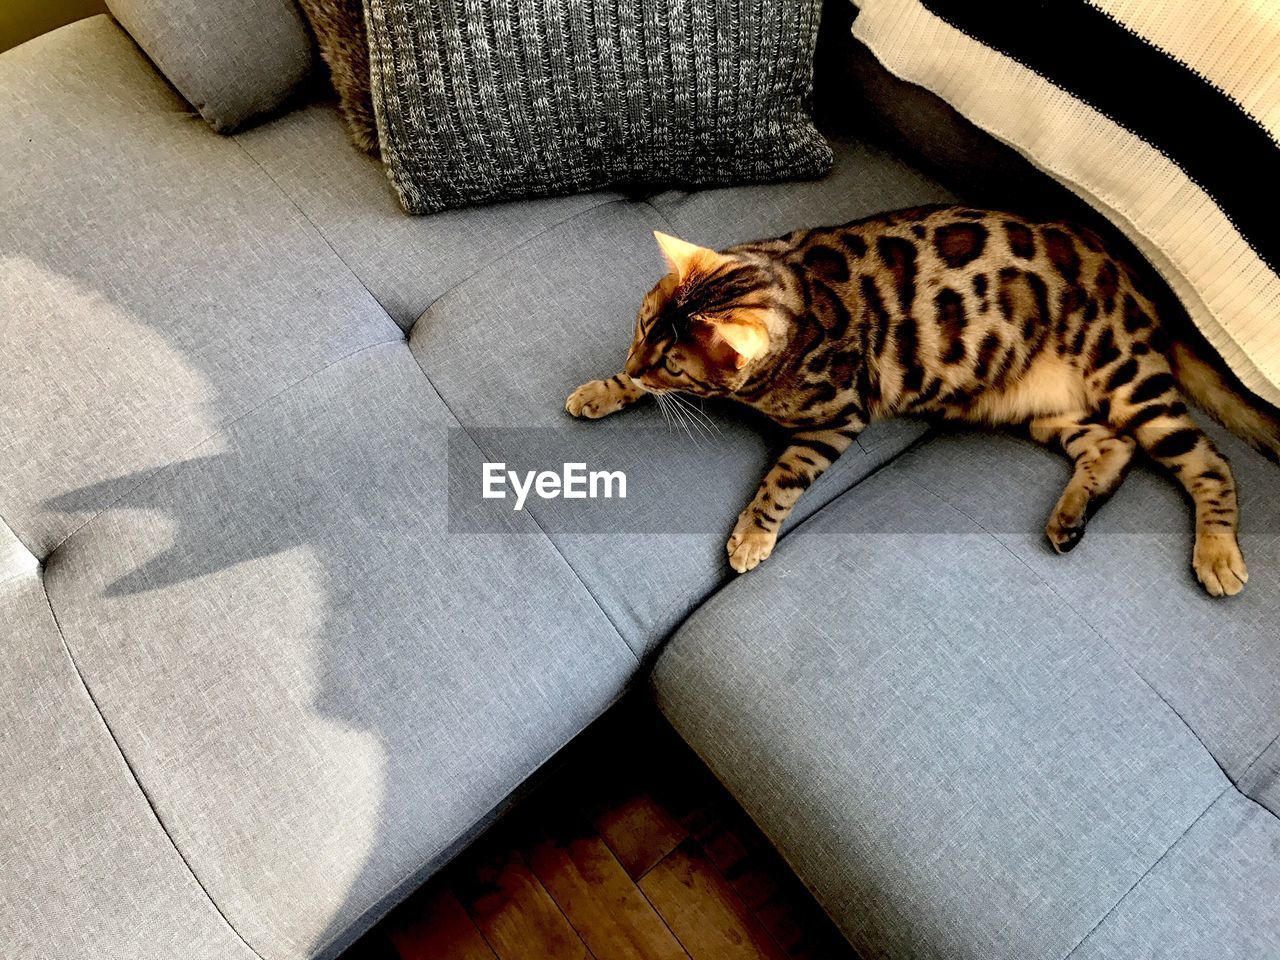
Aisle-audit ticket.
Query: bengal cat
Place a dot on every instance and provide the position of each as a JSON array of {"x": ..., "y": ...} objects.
[{"x": 968, "y": 314}]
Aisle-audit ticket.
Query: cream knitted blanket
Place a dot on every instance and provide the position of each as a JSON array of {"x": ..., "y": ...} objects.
[{"x": 1162, "y": 114}]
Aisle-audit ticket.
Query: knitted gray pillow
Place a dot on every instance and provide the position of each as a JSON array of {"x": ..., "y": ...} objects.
[{"x": 484, "y": 100}]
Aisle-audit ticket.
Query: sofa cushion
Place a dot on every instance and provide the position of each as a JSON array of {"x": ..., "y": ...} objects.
[
  {"x": 1216, "y": 663},
  {"x": 405, "y": 262},
  {"x": 234, "y": 60},
  {"x": 941, "y": 747},
  {"x": 521, "y": 302},
  {"x": 1212, "y": 895},
  {"x": 322, "y": 690},
  {"x": 482, "y": 102},
  {"x": 233, "y": 469},
  {"x": 89, "y": 873},
  {"x": 155, "y": 284},
  {"x": 505, "y": 349}
]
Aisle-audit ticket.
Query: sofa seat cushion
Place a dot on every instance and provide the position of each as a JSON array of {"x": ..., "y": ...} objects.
[
  {"x": 155, "y": 284},
  {"x": 405, "y": 262},
  {"x": 89, "y": 873},
  {"x": 1217, "y": 663},
  {"x": 506, "y": 346},
  {"x": 1212, "y": 895},
  {"x": 324, "y": 692},
  {"x": 969, "y": 746},
  {"x": 511, "y": 306}
]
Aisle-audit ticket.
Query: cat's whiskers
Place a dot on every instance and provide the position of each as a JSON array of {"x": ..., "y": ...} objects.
[
  {"x": 681, "y": 418},
  {"x": 663, "y": 409},
  {"x": 698, "y": 416}
]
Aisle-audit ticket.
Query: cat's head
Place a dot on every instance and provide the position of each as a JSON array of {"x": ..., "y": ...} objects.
[{"x": 705, "y": 326}]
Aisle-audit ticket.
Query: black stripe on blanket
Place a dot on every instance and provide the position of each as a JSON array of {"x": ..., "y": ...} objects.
[{"x": 1193, "y": 123}]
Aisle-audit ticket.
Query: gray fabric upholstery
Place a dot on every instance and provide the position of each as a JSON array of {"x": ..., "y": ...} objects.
[
  {"x": 1261, "y": 780},
  {"x": 488, "y": 101},
  {"x": 233, "y": 60},
  {"x": 947, "y": 753},
  {"x": 320, "y": 688},
  {"x": 233, "y": 469},
  {"x": 88, "y": 874},
  {"x": 521, "y": 302},
  {"x": 406, "y": 262},
  {"x": 1212, "y": 896},
  {"x": 1217, "y": 664},
  {"x": 506, "y": 347},
  {"x": 155, "y": 283},
  {"x": 973, "y": 747}
]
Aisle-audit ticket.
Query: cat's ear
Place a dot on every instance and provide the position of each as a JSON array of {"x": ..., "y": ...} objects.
[
  {"x": 748, "y": 338},
  {"x": 682, "y": 257}
]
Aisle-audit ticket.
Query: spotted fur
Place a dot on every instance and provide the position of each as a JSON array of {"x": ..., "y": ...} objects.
[{"x": 952, "y": 312}]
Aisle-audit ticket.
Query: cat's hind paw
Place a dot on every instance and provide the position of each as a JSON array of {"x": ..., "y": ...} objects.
[
  {"x": 1066, "y": 527},
  {"x": 1219, "y": 564},
  {"x": 1064, "y": 535},
  {"x": 749, "y": 548}
]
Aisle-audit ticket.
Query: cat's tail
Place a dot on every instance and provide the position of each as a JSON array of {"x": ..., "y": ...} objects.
[{"x": 1220, "y": 393}]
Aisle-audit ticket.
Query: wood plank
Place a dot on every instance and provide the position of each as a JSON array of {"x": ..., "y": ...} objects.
[
  {"x": 601, "y": 901},
  {"x": 639, "y": 831},
  {"x": 700, "y": 907},
  {"x": 435, "y": 926},
  {"x": 762, "y": 880},
  {"x": 516, "y": 915}
]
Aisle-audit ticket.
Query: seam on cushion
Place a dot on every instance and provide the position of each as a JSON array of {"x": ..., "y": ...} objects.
[
  {"x": 217, "y": 432},
  {"x": 791, "y": 531},
  {"x": 1159, "y": 860},
  {"x": 13, "y": 533},
  {"x": 594, "y": 599},
  {"x": 508, "y": 252},
  {"x": 1263, "y": 808},
  {"x": 1084, "y": 620},
  {"x": 319, "y": 233},
  {"x": 1261, "y": 753},
  {"x": 133, "y": 773},
  {"x": 915, "y": 442}
]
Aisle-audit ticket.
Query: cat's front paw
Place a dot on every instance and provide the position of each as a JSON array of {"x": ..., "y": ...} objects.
[
  {"x": 1219, "y": 564},
  {"x": 749, "y": 546},
  {"x": 593, "y": 400}
]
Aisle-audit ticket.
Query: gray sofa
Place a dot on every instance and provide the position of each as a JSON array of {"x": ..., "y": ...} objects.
[{"x": 258, "y": 685}]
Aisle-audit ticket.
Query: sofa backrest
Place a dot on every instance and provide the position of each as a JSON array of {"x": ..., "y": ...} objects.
[{"x": 233, "y": 60}]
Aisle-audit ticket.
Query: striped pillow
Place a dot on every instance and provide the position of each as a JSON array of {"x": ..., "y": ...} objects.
[{"x": 1162, "y": 114}]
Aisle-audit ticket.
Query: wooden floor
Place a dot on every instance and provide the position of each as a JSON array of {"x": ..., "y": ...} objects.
[{"x": 630, "y": 850}]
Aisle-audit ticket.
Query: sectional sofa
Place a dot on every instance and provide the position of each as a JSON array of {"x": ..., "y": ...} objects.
[{"x": 262, "y": 677}]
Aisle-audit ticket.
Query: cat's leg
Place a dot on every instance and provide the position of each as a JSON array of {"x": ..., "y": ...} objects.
[
  {"x": 599, "y": 398},
  {"x": 1101, "y": 457},
  {"x": 808, "y": 454},
  {"x": 1154, "y": 413}
]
